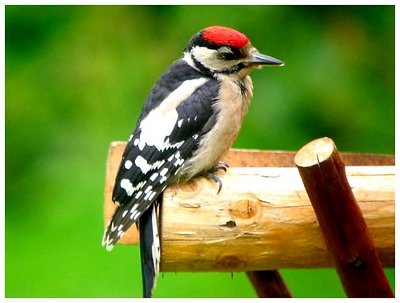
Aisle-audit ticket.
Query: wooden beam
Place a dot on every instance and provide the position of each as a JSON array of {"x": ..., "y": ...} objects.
[{"x": 259, "y": 208}]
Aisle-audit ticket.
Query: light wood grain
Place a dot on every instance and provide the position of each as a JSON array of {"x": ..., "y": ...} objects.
[{"x": 259, "y": 208}]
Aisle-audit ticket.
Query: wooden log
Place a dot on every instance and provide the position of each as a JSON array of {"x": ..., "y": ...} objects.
[
  {"x": 259, "y": 208},
  {"x": 341, "y": 221}
]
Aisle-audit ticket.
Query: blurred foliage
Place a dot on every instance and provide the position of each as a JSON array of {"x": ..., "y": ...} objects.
[{"x": 76, "y": 78}]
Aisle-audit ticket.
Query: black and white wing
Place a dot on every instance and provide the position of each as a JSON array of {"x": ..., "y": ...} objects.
[{"x": 167, "y": 134}]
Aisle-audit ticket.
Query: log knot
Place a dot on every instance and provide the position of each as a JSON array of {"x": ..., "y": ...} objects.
[
  {"x": 230, "y": 262},
  {"x": 245, "y": 209}
]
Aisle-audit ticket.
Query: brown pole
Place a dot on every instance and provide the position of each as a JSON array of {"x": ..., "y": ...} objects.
[
  {"x": 342, "y": 224},
  {"x": 269, "y": 284}
]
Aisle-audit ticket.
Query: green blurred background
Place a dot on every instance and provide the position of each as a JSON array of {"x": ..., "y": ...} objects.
[{"x": 76, "y": 78}]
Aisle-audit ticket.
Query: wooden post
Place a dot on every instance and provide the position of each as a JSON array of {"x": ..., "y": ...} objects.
[
  {"x": 341, "y": 221},
  {"x": 269, "y": 284}
]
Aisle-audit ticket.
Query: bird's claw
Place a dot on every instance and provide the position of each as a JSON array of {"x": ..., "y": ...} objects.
[
  {"x": 216, "y": 179},
  {"x": 221, "y": 165},
  {"x": 210, "y": 175}
]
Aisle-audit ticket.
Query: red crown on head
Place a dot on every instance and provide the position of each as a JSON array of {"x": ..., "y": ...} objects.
[{"x": 224, "y": 36}]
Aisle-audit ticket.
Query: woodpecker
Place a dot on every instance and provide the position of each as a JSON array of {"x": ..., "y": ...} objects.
[{"x": 190, "y": 119}]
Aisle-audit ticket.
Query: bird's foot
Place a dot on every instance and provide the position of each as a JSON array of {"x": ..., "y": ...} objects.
[
  {"x": 221, "y": 165},
  {"x": 210, "y": 174}
]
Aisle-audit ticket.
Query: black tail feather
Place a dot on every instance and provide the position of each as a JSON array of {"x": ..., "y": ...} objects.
[{"x": 149, "y": 249}]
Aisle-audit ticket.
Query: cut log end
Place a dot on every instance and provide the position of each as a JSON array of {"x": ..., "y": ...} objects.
[{"x": 315, "y": 152}]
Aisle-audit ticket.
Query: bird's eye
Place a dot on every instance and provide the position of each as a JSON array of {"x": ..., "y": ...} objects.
[{"x": 226, "y": 53}]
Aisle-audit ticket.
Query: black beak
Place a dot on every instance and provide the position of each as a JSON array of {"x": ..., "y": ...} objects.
[{"x": 260, "y": 59}]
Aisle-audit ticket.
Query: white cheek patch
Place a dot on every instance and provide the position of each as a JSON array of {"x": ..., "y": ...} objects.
[{"x": 209, "y": 58}]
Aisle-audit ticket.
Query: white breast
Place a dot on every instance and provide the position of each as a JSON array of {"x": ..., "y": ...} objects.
[{"x": 232, "y": 105}]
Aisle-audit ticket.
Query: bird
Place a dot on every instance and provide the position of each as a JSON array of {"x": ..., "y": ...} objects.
[{"x": 191, "y": 117}]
